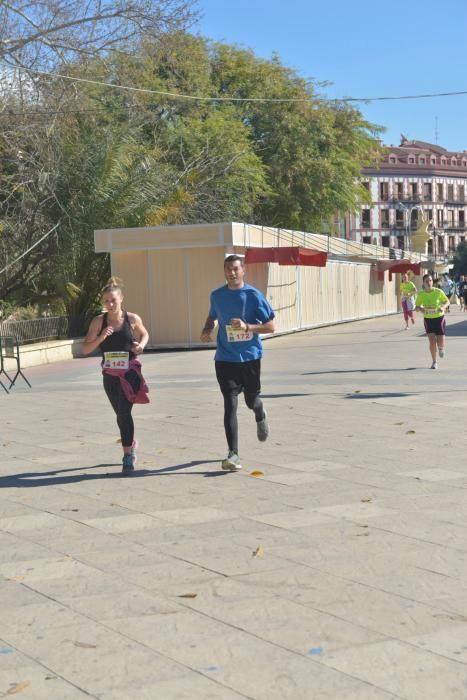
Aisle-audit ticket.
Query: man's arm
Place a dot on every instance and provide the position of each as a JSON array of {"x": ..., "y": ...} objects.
[
  {"x": 267, "y": 327},
  {"x": 206, "y": 333}
]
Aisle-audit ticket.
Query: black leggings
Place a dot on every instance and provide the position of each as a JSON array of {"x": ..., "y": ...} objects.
[
  {"x": 122, "y": 408},
  {"x": 253, "y": 402},
  {"x": 233, "y": 378}
]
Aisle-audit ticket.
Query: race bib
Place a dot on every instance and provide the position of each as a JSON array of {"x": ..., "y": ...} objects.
[
  {"x": 236, "y": 335},
  {"x": 116, "y": 360},
  {"x": 428, "y": 310}
]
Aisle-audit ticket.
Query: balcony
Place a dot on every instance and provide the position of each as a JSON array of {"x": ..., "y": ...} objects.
[
  {"x": 406, "y": 199},
  {"x": 455, "y": 202}
]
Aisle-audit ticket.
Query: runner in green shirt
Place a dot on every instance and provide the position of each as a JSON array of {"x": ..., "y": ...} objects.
[
  {"x": 407, "y": 289},
  {"x": 432, "y": 302}
]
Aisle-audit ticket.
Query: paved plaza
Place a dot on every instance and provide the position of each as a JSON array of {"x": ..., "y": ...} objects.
[{"x": 337, "y": 572}]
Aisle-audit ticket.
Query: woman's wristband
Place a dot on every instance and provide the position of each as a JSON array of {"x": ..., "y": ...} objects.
[{"x": 247, "y": 327}]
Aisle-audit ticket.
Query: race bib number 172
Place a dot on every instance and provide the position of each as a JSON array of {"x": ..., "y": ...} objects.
[{"x": 236, "y": 335}]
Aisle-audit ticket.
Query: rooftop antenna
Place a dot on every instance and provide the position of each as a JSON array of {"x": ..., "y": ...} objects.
[{"x": 436, "y": 130}]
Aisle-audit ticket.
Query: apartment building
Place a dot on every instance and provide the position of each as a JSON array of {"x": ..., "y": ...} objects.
[{"x": 412, "y": 178}]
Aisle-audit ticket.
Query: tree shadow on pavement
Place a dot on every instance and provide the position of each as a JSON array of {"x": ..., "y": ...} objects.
[
  {"x": 60, "y": 476},
  {"x": 362, "y": 371},
  {"x": 380, "y": 395}
]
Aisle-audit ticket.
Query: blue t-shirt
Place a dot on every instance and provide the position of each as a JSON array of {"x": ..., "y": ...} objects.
[{"x": 248, "y": 304}]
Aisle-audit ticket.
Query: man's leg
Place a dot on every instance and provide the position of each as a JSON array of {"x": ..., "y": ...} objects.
[{"x": 252, "y": 388}]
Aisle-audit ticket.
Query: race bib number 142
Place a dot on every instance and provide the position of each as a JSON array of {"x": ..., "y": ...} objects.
[{"x": 116, "y": 360}]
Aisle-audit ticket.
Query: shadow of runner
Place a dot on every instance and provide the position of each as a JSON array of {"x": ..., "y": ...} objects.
[{"x": 53, "y": 478}]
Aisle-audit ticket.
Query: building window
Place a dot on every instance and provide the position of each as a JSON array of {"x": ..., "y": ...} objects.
[
  {"x": 464, "y": 163},
  {"x": 433, "y": 161},
  {"x": 384, "y": 191},
  {"x": 440, "y": 190},
  {"x": 414, "y": 218},
  {"x": 411, "y": 160},
  {"x": 440, "y": 242},
  {"x": 399, "y": 218},
  {"x": 366, "y": 185},
  {"x": 400, "y": 242},
  {"x": 461, "y": 218},
  {"x": 366, "y": 239},
  {"x": 461, "y": 192},
  {"x": 451, "y": 218},
  {"x": 450, "y": 192},
  {"x": 399, "y": 190},
  {"x": 384, "y": 218},
  {"x": 429, "y": 214},
  {"x": 430, "y": 247},
  {"x": 413, "y": 189},
  {"x": 452, "y": 243},
  {"x": 392, "y": 159},
  {"x": 439, "y": 218},
  {"x": 427, "y": 194},
  {"x": 421, "y": 161},
  {"x": 366, "y": 218},
  {"x": 443, "y": 161},
  {"x": 385, "y": 241}
]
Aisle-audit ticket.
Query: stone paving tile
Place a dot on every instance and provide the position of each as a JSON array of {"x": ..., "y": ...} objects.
[
  {"x": 344, "y": 565},
  {"x": 238, "y": 660},
  {"x": 420, "y": 674}
]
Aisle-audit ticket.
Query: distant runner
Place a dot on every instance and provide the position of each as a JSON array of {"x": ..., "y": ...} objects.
[
  {"x": 242, "y": 313},
  {"x": 408, "y": 290},
  {"x": 121, "y": 336},
  {"x": 432, "y": 302}
]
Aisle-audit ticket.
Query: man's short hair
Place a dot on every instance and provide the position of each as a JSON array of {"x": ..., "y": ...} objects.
[{"x": 233, "y": 258}]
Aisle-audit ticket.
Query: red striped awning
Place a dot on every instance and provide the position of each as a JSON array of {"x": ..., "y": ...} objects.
[{"x": 294, "y": 255}]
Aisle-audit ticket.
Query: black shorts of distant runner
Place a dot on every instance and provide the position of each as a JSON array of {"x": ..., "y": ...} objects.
[{"x": 435, "y": 325}]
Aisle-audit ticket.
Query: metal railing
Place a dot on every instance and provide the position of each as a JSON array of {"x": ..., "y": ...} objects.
[{"x": 37, "y": 329}]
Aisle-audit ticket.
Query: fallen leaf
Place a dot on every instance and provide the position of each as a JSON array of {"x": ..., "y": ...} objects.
[
  {"x": 410, "y": 432},
  {"x": 71, "y": 510},
  {"x": 259, "y": 552},
  {"x": 85, "y": 645},
  {"x": 367, "y": 499},
  {"x": 18, "y": 687},
  {"x": 401, "y": 423},
  {"x": 15, "y": 578},
  {"x": 187, "y": 595},
  {"x": 357, "y": 391},
  {"x": 257, "y": 472}
]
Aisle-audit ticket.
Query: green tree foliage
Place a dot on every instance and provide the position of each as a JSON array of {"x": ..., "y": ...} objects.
[{"x": 86, "y": 157}]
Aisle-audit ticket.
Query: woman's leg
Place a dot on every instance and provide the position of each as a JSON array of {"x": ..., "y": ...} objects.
[
  {"x": 405, "y": 312},
  {"x": 122, "y": 408},
  {"x": 433, "y": 345}
]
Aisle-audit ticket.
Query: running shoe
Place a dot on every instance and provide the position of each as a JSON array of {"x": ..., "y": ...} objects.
[
  {"x": 262, "y": 428},
  {"x": 434, "y": 365},
  {"x": 231, "y": 463},
  {"x": 441, "y": 352},
  {"x": 127, "y": 465}
]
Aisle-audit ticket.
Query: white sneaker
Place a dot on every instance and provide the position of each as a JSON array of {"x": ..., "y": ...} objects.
[
  {"x": 441, "y": 352},
  {"x": 231, "y": 463},
  {"x": 434, "y": 365}
]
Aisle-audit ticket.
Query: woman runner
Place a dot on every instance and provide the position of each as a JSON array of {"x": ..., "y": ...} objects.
[
  {"x": 432, "y": 302},
  {"x": 121, "y": 336},
  {"x": 408, "y": 289}
]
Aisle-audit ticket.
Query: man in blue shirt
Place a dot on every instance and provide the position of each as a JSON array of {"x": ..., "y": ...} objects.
[{"x": 241, "y": 313}]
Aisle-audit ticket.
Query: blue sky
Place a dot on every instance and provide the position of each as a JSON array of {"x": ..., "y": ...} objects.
[{"x": 366, "y": 49}]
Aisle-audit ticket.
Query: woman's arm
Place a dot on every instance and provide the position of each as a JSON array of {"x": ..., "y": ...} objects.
[
  {"x": 94, "y": 337},
  {"x": 140, "y": 332}
]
